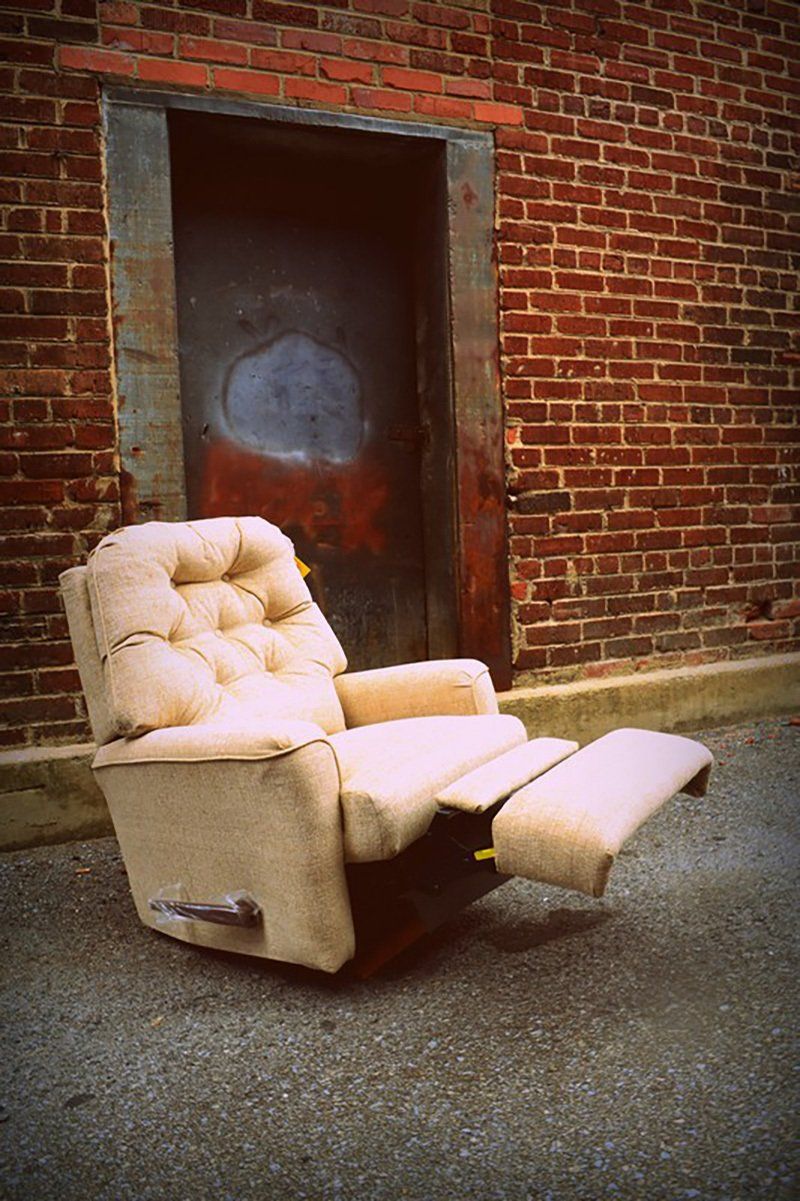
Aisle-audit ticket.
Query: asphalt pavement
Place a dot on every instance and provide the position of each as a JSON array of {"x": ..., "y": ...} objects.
[{"x": 541, "y": 1047}]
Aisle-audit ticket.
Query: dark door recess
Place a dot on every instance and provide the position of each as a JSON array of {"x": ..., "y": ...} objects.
[
  {"x": 305, "y": 327},
  {"x": 310, "y": 276}
]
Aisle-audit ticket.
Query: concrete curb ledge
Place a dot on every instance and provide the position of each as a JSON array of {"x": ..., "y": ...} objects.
[
  {"x": 48, "y": 794},
  {"x": 685, "y": 698}
]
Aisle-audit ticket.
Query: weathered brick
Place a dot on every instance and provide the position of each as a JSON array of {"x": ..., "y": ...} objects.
[
  {"x": 644, "y": 232},
  {"x": 158, "y": 70},
  {"x": 412, "y": 81},
  {"x": 255, "y": 82},
  {"x": 382, "y": 98},
  {"x": 104, "y": 62},
  {"x": 213, "y": 50},
  {"x": 317, "y": 90}
]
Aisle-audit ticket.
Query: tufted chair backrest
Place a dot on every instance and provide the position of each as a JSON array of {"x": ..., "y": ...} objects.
[{"x": 203, "y": 621}]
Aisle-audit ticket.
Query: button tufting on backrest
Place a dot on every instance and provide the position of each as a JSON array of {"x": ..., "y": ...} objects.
[{"x": 210, "y": 619}]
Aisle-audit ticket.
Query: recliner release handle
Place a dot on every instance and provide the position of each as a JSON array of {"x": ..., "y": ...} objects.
[{"x": 237, "y": 910}]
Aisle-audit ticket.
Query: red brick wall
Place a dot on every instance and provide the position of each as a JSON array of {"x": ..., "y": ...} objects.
[{"x": 647, "y": 208}]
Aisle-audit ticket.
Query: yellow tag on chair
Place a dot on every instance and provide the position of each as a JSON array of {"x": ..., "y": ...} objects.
[{"x": 302, "y": 567}]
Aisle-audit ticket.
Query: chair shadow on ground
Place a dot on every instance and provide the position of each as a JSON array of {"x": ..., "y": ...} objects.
[
  {"x": 558, "y": 924},
  {"x": 448, "y": 940}
]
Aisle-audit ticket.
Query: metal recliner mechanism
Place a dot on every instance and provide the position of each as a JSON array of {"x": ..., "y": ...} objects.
[{"x": 545, "y": 811}]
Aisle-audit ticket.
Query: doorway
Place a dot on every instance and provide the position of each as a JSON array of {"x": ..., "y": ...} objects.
[
  {"x": 306, "y": 329},
  {"x": 310, "y": 279}
]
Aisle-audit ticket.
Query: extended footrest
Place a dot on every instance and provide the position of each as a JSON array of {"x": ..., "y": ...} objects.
[{"x": 567, "y": 827}]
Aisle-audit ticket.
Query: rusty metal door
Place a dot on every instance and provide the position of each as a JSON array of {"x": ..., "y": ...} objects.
[{"x": 295, "y": 267}]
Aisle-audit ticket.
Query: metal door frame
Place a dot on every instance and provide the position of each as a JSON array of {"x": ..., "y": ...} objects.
[{"x": 146, "y": 341}]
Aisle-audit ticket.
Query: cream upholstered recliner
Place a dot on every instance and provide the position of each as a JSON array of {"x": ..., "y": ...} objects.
[
  {"x": 264, "y": 797},
  {"x": 235, "y": 752}
]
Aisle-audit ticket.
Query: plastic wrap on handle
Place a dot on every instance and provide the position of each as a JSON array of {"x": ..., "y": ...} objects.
[{"x": 235, "y": 909}]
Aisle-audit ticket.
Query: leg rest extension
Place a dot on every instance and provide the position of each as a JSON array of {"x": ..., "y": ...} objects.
[{"x": 567, "y": 827}]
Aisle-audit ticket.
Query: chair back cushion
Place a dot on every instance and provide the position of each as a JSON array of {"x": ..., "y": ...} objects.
[{"x": 209, "y": 621}]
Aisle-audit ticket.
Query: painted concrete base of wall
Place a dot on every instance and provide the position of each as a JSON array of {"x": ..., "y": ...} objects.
[
  {"x": 689, "y": 698},
  {"x": 48, "y": 794}
]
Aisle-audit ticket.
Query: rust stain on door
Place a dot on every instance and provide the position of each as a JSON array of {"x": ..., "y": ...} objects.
[{"x": 296, "y": 320}]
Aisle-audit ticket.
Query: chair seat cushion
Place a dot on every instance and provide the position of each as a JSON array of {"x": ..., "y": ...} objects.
[{"x": 392, "y": 771}]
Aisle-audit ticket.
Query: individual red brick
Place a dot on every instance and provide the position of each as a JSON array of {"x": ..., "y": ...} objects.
[
  {"x": 23, "y": 492},
  {"x": 390, "y": 8},
  {"x": 140, "y": 41},
  {"x": 232, "y": 80},
  {"x": 444, "y": 106},
  {"x": 497, "y": 114},
  {"x": 316, "y": 90},
  {"x": 39, "y": 654},
  {"x": 246, "y": 31},
  {"x": 119, "y": 12},
  {"x": 374, "y": 52},
  {"x": 212, "y": 50},
  {"x": 763, "y": 631},
  {"x": 479, "y": 89},
  {"x": 55, "y": 466},
  {"x": 441, "y": 14},
  {"x": 19, "y": 50},
  {"x": 350, "y": 23},
  {"x": 412, "y": 81},
  {"x": 64, "y": 680},
  {"x": 347, "y": 72},
  {"x": 230, "y": 8},
  {"x": 153, "y": 17},
  {"x": 283, "y": 61},
  {"x": 382, "y": 98},
  {"x": 437, "y": 60},
  {"x": 157, "y": 70},
  {"x": 307, "y": 39},
  {"x": 105, "y": 62},
  {"x": 37, "y": 709}
]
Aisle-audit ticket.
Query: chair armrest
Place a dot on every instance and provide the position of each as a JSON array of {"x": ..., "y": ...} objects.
[
  {"x": 439, "y": 687},
  {"x": 205, "y": 742},
  {"x": 265, "y": 824}
]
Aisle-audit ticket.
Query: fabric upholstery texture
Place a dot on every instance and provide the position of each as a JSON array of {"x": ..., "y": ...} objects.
[
  {"x": 490, "y": 783},
  {"x": 203, "y": 743},
  {"x": 567, "y": 826},
  {"x": 209, "y": 621},
  {"x": 75, "y": 592},
  {"x": 392, "y": 771},
  {"x": 270, "y": 827},
  {"x": 437, "y": 686}
]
